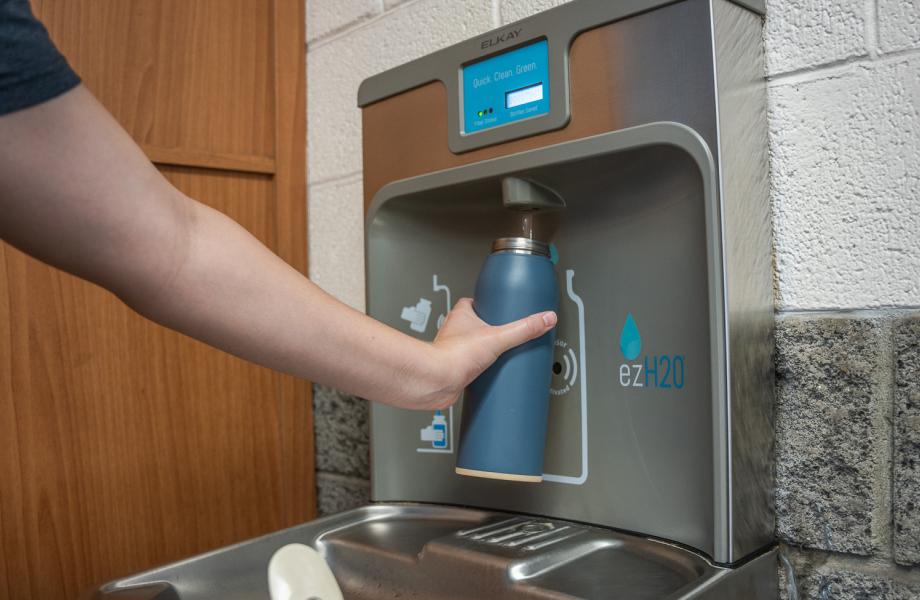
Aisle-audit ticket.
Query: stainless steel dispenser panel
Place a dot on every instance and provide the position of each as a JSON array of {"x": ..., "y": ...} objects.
[
  {"x": 743, "y": 152},
  {"x": 558, "y": 27},
  {"x": 698, "y": 63},
  {"x": 631, "y": 441}
]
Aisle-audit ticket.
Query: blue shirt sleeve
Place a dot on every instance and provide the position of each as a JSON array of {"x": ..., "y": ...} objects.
[{"x": 32, "y": 70}]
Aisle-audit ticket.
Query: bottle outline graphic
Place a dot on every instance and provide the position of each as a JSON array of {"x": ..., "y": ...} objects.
[
  {"x": 437, "y": 287},
  {"x": 630, "y": 339},
  {"x": 582, "y": 375}
]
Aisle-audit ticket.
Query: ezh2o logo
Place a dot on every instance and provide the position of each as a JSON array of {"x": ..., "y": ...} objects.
[{"x": 652, "y": 370}]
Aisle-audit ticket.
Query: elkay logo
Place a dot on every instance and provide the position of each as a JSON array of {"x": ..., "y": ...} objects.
[
  {"x": 655, "y": 370},
  {"x": 501, "y": 38}
]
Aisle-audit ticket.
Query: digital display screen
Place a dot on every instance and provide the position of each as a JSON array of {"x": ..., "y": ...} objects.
[
  {"x": 531, "y": 93},
  {"x": 508, "y": 87}
]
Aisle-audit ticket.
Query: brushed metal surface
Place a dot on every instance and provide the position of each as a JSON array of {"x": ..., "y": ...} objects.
[
  {"x": 645, "y": 459},
  {"x": 748, "y": 230},
  {"x": 694, "y": 62},
  {"x": 417, "y": 551},
  {"x": 565, "y": 21},
  {"x": 757, "y": 579},
  {"x": 655, "y": 66}
]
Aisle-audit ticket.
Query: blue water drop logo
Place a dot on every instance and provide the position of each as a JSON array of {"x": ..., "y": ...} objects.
[{"x": 630, "y": 340}]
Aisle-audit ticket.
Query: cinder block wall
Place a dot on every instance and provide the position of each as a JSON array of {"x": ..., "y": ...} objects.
[{"x": 844, "y": 97}]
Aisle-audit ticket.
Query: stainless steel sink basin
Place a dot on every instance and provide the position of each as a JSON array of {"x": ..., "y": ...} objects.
[{"x": 403, "y": 551}]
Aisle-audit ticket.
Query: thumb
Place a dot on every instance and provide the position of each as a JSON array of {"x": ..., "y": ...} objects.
[{"x": 505, "y": 337}]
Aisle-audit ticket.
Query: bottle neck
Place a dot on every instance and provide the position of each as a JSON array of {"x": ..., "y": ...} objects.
[{"x": 520, "y": 245}]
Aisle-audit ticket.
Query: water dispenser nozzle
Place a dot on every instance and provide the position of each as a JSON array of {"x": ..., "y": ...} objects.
[{"x": 525, "y": 195}]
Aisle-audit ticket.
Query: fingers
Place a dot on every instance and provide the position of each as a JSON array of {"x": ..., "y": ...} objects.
[
  {"x": 516, "y": 333},
  {"x": 464, "y": 304}
]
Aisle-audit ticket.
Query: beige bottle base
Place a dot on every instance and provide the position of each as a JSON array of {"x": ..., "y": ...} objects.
[{"x": 504, "y": 476}]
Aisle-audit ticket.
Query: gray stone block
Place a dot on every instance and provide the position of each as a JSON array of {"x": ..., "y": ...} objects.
[
  {"x": 337, "y": 493},
  {"x": 820, "y": 576},
  {"x": 906, "y": 501},
  {"x": 341, "y": 430},
  {"x": 851, "y": 585},
  {"x": 832, "y": 437}
]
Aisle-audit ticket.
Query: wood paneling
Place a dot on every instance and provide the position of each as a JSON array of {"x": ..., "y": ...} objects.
[
  {"x": 124, "y": 445},
  {"x": 199, "y": 158},
  {"x": 129, "y": 445},
  {"x": 248, "y": 198},
  {"x": 290, "y": 228},
  {"x": 190, "y": 75}
]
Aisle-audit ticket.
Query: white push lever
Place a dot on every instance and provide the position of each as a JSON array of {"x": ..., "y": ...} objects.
[{"x": 298, "y": 572}]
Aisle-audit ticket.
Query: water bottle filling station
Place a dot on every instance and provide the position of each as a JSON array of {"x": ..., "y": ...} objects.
[{"x": 616, "y": 154}]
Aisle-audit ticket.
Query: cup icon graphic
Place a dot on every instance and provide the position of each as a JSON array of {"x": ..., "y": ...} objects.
[{"x": 417, "y": 315}]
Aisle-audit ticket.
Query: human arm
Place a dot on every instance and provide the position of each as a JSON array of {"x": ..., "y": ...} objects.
[{"x": 77, "y": 193}]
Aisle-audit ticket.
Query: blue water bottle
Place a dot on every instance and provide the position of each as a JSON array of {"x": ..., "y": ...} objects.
[{"x": 503, "y": 427}]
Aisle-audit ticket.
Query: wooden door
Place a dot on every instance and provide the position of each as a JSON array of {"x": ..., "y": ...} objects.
[{"x": 124, "y": 445}]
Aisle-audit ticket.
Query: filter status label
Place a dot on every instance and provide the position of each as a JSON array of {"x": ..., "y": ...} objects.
[{"x": 509, "y": 87}]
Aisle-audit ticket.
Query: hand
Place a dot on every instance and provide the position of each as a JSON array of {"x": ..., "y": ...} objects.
[{"x": 466, "y": 346}]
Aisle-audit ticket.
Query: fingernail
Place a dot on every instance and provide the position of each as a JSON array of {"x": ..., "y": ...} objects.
[{"x": 549, "y": 319}]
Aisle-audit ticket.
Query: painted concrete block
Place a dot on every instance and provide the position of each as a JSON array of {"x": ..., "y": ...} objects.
[
  {"x": 336, "y": 239},
  {"x": 336, "y": 68},
  {"x": 810, "y": 33},
  {"x": 845, "y": 187},
  {"x": 898, "y": 25},
  {"x": 325, "y": 17},
  {"x": 515, "y": 10}
]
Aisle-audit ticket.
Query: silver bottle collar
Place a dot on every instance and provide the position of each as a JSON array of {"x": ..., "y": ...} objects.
[{"x": 520, "y": 245}]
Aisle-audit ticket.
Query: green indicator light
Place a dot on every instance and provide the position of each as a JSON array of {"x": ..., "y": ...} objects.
[{"x": 479, "y": 113}]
